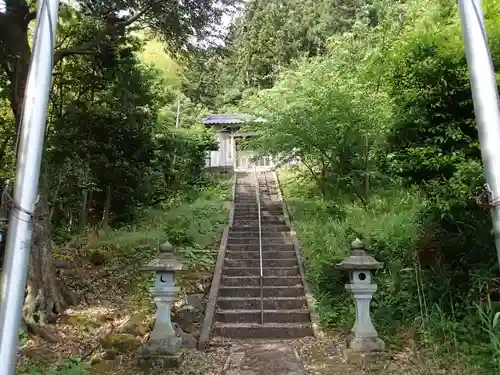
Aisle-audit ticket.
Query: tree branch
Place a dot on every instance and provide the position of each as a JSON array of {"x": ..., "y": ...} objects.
[
  {"x": 6, "y": 69},
  {"x": 31, "y": 16},
  {"x": 65, "y": 38},
  {"x": 87, "y": 48}
]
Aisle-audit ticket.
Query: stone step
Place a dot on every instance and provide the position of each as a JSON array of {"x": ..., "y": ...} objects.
[
  {"x": 233, "y": 240},
  {"x": 254, "y": 207},
  {"x": 270, "y": 316},
  {"x": 254, "y": 216},
  {"x": 255, "y": 247},
  {"x": 245, "y": 198},
  {"x": 275, "y": 303},
  {"x": 266, "y": 263},
  {"x": 247, "y": 220},
  {"x": 263, "y": 331},
  {"x": 255, "y": 271},
  {"x": 253, "y": 204},
  {"x": 267, "y": 291},
  {"x": 266, "y": 233},
  {"x": 266, "y": 254},
  {"x": 264, "y": 222},
  {"x": 243, "y": 281},
  {"x": 255, "y": 228}
]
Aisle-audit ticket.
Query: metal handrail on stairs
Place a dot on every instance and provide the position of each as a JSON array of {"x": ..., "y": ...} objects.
[{"x": 257, "y": 194}]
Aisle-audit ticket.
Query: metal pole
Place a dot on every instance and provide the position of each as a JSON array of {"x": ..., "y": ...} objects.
[
  {"x": 485, "y": 98},
  {"x": 18, "y": 243},
  {"x": 178, "y": 113},
  {"x": 257, "y": 193}
]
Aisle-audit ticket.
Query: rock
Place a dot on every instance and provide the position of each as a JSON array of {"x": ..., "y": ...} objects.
[
  {"x": 195, "y": 329},
  {"x": 188, "y": 341},
  {"x": 109, "y": 355},
  {"x": 201, "y": 287},
  {"x": 186, "y": 316},
  {"x": 96, "y": 358},
  {"x": 97, "y": 258},
  {"x": 121, "y": 342},
  {"x": 195, "y": 300},
  {"x": 135, "y": 326}
]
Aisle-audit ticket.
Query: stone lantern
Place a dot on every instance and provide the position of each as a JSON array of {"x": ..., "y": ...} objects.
[
  {"x": 364, "y": 338},
  {"x": 164, "y": 345}
]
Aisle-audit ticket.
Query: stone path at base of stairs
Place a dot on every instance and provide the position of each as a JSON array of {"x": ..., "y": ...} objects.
[
  {"x": 318, "y": 356},
  {"x": 264, "y": 358}
]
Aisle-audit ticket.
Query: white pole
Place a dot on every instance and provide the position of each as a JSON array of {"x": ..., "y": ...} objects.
[
  {"x": 485, "y": 98},
  {"x": 18, "y": 243},
  {"x": 178, "y": 113}
]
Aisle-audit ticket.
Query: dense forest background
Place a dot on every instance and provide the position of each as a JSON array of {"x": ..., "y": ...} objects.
[{"x": 373, "y": 97}]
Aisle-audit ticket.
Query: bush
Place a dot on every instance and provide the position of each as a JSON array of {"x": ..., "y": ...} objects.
[{"x": 388, "y": 225}]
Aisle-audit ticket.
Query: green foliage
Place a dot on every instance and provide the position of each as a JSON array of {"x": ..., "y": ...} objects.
[
  {"x": 110, "y": 112},
  {"x": 153, "y": 54},
  {"x": 192, "y": 223},
  {"x": 490, "y": 318},
  {"x": 264, "y": 40},
  {"x": 73, "y": 366},
  {"x": 389, "y": 224},
  {"x": 180, "y": 159},
  {"x": 182, "y": 230},
  {"x": 322, "y": 117},
  {"x": 434, "y": 138}
]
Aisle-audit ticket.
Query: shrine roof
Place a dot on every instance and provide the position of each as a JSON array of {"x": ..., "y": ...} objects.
[{"x": 231, "y": 119}]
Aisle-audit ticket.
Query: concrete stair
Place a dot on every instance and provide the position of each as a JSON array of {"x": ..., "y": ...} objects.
[{"x": 242, "y": 302}]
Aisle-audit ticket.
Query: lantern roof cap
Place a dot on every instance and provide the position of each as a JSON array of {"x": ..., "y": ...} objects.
[
  {"x": 165, "y": 262},
  {"x": 359, "y": 259}
]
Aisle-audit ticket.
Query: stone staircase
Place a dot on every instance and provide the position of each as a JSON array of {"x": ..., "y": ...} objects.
[{"x": 245, "y": 310}]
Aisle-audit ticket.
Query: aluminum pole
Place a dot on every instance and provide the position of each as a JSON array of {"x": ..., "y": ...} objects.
[
  {"x": 178, "y": 113},
  {"x": 485, "y": 98},
  {"x": 34, "y": 116}
]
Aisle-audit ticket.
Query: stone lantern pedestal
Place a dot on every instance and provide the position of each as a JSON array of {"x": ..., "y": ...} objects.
[
  {"x": 163, "y": 349},
  {"x": 363, "y": 343}
]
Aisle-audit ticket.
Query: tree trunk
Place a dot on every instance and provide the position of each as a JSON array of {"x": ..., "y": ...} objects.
[
  {"x": 45, "y": 297},
  {"x": 107, "y": 208},
  {"x": 83, "y": 212},
  {"x": 19, "y": 74}
]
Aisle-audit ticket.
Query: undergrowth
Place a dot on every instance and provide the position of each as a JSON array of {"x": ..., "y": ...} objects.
[
  {"x": 434, "y": 307},
  {"x": 192, "y": 223}
]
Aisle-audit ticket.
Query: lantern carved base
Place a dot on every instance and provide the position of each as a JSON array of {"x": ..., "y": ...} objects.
[
  {"x": 365, "y": 344},
  {"x": 165, "y": 353},
  {"x": 361, "y": 358},
  {"x": 361, "y": 350},
  {"x": 157, "y": 361}
]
